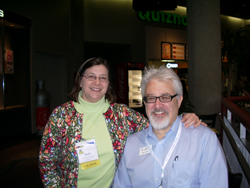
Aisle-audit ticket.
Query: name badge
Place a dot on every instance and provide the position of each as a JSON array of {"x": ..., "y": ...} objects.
[
  {"x": 87, "y": 154},
  {"x": 144, "y": 150}
]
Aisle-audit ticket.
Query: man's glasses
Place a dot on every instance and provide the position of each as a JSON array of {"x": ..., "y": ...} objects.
[
  {"x": 103, "y": 79},
  {"x": 164, "y": 99}
]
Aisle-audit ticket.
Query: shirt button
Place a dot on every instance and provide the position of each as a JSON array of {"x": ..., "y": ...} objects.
[{"x": 156, "y": 178}]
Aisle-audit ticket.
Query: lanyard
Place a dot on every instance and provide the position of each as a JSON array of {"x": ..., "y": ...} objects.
[{"x": 169, "y": 152}]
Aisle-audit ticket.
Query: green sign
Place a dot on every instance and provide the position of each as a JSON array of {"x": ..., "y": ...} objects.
[{"x": 164, "y": 17}]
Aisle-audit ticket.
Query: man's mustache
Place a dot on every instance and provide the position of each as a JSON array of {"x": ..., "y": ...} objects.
[{"x": 156, "y": 110}]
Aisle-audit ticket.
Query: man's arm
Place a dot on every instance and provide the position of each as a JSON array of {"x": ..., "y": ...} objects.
[{"x": 213, "y": 167}]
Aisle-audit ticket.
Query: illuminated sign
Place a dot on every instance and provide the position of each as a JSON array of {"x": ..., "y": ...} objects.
[
  {"x": 1, "y": 13},
  {"x": 172, "y": 65},
  {"x": 164, "y": 17}
]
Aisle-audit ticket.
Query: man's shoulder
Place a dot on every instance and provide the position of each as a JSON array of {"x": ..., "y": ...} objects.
[
  {"x": 199, "y": 132},
  {"x": 138, "y": 136},
  {"x": 134, "y": 143},
  {"x": 200, "y": 128}
]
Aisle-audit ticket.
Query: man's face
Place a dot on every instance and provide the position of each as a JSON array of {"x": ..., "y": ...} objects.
[{"x": 162, "y": 115}]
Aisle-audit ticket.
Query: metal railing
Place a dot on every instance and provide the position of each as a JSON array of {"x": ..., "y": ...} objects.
[{"x": 235, "y": 150}]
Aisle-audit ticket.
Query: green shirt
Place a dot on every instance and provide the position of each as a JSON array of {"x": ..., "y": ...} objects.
[{"x": 94, "y": 126}]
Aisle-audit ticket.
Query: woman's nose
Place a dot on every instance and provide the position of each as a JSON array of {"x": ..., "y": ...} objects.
[{"x": 97, "y": 80}]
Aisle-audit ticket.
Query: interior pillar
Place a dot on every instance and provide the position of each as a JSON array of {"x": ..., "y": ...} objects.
[{"x": 204, "y": 55}]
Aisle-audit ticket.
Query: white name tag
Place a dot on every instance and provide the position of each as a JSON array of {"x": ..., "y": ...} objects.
[
  {"x": 87, "y": 151},
  {"x": 144, "y": 150}
]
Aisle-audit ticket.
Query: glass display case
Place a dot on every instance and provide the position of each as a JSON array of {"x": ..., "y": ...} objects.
[
  {"x": 134, "y": 92},
  {"x": 128, "y": 81}
]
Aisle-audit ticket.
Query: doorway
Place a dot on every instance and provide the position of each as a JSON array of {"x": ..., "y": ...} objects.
[{"x": 52, "y": 69}]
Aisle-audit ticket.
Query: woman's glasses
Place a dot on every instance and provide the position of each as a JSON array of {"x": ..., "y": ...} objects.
[{"x": 103, "y": 79}]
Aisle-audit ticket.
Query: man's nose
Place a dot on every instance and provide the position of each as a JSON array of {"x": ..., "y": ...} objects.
[{"x": 158, "y": 102}]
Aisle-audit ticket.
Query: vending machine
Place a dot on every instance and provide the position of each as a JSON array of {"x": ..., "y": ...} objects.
[{"x": 128, "y": 80}]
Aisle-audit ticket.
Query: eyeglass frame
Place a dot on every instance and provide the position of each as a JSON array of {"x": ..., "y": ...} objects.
[
  {"x": 95, "y": 77},
  {"x": 172, "y": 96}
]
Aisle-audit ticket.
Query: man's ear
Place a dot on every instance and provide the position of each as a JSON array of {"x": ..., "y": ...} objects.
[{"x": 180, "y": 101}]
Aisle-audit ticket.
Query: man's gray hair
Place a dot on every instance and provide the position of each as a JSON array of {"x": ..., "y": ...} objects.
[{"x": 162, "y": 74}]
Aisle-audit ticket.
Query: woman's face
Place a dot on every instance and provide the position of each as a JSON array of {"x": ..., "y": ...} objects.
[{"x": 93, "y": 91}]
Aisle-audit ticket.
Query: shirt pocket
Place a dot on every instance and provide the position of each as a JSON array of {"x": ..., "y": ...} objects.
[{"x": 183, "y": 175}]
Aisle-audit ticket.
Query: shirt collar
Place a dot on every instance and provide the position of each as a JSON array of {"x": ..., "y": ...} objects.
[
  {"x": 175, "y": 125},
  {"x": 84, "y": 106}
]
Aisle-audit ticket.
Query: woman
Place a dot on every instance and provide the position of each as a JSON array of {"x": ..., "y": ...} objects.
[{"x": 84, "y": 139}]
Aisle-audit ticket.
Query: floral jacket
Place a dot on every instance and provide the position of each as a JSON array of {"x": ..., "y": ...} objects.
[{"x": 58, "y": 157}]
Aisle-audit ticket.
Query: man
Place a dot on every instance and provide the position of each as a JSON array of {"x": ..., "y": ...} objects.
[{"x": 167, "y": 154}]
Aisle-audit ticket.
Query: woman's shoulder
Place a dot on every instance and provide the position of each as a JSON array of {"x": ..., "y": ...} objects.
[
  {"x": 117, "y": 107},
  {"x": 66, "y": 107},
  {"x": 69, "y": 104}
]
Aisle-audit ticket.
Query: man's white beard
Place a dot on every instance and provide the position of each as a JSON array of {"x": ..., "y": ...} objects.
[{"x": 159, "y": 122}]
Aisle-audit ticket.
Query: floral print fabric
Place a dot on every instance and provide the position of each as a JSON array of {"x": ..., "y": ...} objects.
[{"x": 57, "y": 156}]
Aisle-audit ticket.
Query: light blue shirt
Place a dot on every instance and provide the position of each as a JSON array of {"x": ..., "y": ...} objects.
[{"x": 201, "y": 161}]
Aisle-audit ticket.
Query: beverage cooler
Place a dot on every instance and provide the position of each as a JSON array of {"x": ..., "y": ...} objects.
[{"x": 128, "y": 81}]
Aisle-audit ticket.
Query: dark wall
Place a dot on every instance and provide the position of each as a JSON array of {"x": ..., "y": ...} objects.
[
  {"x": 17, "y": 85},
  {"x": 113, "y": 53}
]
